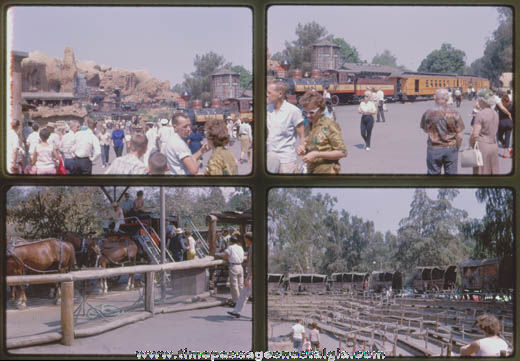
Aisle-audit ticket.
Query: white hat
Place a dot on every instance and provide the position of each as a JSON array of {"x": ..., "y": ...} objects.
[
  {"x": 178, "y": 231},
  {"x": 164, "y": 121}
]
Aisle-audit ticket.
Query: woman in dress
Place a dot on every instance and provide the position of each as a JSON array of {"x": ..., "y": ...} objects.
[
  {"x": 505, "y": 125},
  {"x": 45, "y": 157},
  {"x": 324, "y": 145},
  {"x": 484, "y": 133}
]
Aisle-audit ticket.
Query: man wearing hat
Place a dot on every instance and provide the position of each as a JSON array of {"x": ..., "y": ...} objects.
[
  {"x": 248, "y": 283},
  {"x": 178, "y": 245},
  {"x": 234, "y": 254},
  {"x": 164, "y": 133},
  {"x": 54, "y": 139},
  {"x": 114, "y": 216}
]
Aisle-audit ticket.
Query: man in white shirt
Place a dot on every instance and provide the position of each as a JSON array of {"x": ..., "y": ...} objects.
[
  {"x": 164, "y": 134},
  {"x": 115, "y": 216},
  {"x": 298, "y": 335},
  {"x": 13, "y": 144},
  {"x": 33, "y": 139},
  {"x": 132, "y": 162},
  {"x": 246, "y": 137},
  {"x": 54, "y": 138},
  {"x": 380, "y": 97},
  {"x": 86, "y": 149},
  {"x": 234, "y": 254},
  {"x": 67, "y": 145},
  {"x": 284, "y": 125},
  {"x": 180, "y": 159}
]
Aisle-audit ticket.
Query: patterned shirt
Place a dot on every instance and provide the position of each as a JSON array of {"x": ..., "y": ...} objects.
[
  {"x": 221, "y": 162},
  {"x": 324, "y": 136},
  {"x": 127, "y": 164},
  {"x": 442, "y": 125}
]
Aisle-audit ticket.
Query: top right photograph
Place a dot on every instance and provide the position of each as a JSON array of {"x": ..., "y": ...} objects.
[{"x": 390, "y": 90}]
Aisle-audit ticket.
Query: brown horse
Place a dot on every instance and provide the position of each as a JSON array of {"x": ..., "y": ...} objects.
[
  {"x": 45, "y": 256},
  {"x": 115, "y": 251},
  {"x": 82, "y": 247}
]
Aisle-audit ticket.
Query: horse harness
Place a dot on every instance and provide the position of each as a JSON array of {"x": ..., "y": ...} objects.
[
  {"x": 102, "y": 247},
  {"x": 13, "y": 245}
]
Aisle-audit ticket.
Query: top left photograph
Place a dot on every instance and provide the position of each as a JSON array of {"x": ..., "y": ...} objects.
[{"x": 129, "y": 91}]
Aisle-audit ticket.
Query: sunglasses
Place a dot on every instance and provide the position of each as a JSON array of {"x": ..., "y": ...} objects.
[{"x": 310, "y": 112}]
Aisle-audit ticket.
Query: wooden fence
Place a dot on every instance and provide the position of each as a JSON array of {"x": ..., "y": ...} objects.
[{"x": 67, "y": 292}]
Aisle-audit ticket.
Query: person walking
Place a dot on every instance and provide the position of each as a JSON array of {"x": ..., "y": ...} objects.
[
  {"x": 444, "y": 127},
  {"x": 248, "y": 283},
  {"x": 505, "y": 125},
  {"x": 298, "y": 335},
  {"x": 367, "y": 110},
  {"x": 484, "y": 133},
  {"x": 315, "y": 337},
  {"x": 104, "y": 140},
  {"x": 458, "y": 97},
  {"x": 234, "y": 255},
  {"x": 246, "y": 138},
  {"x": 191, "y": 253},
  {"x": 380, "y": 97},
  {"x": 118, "y": 137}
]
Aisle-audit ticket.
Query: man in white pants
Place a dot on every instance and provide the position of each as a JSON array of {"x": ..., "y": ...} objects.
[
  {"x": 248, "y": 283},
  {"x": 234, "y": 254}
]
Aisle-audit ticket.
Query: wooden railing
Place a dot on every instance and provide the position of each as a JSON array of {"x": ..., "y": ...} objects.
[{"x": 67, "y": 285}]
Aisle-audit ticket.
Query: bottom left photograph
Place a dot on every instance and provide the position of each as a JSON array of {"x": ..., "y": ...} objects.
[{"x": 123, "y": 270}]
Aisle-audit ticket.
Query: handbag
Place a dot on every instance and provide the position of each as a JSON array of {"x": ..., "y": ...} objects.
[
  {"x": 60, "y": 169},
  {"x": 472, "y": 157}
]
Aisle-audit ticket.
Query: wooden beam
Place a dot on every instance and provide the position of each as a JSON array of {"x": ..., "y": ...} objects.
[{"x": 67, "y": 313}]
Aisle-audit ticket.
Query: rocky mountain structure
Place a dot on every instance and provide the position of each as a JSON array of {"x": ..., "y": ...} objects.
[{"x": 42, "y": 73}]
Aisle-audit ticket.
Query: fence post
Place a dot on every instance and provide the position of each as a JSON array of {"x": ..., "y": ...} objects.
[
  {"x": 149, "y": 299},
  {"x": 67, "y": 313}
]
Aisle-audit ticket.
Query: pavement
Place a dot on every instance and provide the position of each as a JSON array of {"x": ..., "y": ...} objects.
[
  {"x": 243, "y": 168},
  {"x": 197, "y": 330},
  {"x": 398, "y": 146}
]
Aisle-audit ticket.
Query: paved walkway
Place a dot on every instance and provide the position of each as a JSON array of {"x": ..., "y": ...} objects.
[
  {"x": 203, "y": 329},
  {"x": 399, "y": 145}
]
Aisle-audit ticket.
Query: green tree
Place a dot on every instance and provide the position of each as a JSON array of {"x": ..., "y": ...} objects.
[
  {"x": 348, "y": 53},
  {"x": 432, "y": 232},
  {"x": 385, "y": 58},
  {"x": 498, "y": 54},
  {"x": 240, "y": 200},
  {"x": 246, "y": 77},
  {"x": 296, "y": 230},
  {"x": 494, "y": 234},
  {"x": 299, "y": 51},
  {"x": 198, "y": 83},
  {"x": 447, "y": 59},
  {"x": 51, "y": 211}
]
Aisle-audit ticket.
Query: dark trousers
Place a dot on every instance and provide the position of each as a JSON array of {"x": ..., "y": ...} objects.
[
  {"x": 367, "y": 123},
  {"x": 83, "y": 166},
  {"x": 70, "y": 165},
  {"x": 505, "y": 126},
  {"x": 436, "y": 158},
  {"x": 119, "y": 150},
  {"x": 105, "y": 151},
  {"x": 178, "y": 255},
  {"x": 458, "y": 100},
  {"x": 380, "y": 112}
]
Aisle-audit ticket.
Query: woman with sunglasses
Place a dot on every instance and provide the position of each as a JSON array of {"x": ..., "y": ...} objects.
[
  {"x": 368, "y": 110},
  {"x": 324, "y": 146}
]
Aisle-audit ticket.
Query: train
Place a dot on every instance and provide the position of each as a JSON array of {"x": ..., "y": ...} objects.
[
  {"x": 492, "y": 275},
  {"x": 237, "y": 108},
  {"x": 348, "y": 87}
]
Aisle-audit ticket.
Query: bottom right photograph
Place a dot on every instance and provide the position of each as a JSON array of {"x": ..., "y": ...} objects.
[{"x": 391, "y": 272}]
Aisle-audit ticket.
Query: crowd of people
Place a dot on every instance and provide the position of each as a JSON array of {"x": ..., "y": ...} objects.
[
  {"x": 312, "y": 133},
  {"x": 492, "y": 125},
  {"x": 166, "y": 147}
]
